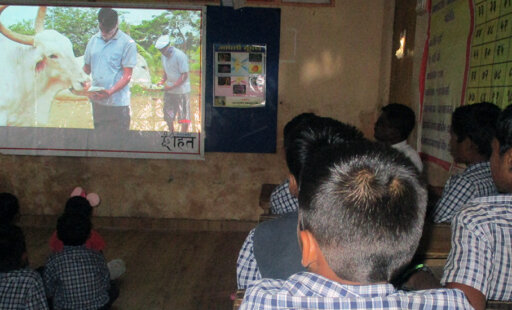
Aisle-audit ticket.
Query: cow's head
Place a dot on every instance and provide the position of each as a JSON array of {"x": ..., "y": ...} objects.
[{"x": 54, "y": 60}]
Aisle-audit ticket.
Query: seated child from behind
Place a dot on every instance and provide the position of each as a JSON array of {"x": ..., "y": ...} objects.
[
  {"x": 77, "y": 277},
  {"x": 394, "y": 126},
  {"x": 361, "y": 214},
  {"x": 79, "y": 205},
  {"x": 472, "y": 130},
  {"x": 9, "y": 209},
  {"x": 479, "y": 260},
  {"x": 271, "y": 249},
  {"x": 283, "y": 198},
  {"x": 20, "y": 287}
]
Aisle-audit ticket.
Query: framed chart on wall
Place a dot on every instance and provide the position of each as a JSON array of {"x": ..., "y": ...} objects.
[
  {"x": 467, "y": 59},
  {"x": 60, "y": 73}
]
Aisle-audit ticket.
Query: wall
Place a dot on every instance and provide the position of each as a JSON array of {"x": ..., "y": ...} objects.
[{"x": 334, "y": 62}]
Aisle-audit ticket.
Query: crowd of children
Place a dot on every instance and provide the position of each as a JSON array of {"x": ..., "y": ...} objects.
[
  {"x": 354, "y": 211},
  {"x": 76, "y": 275},
  {"x": 352, "y": 214}
]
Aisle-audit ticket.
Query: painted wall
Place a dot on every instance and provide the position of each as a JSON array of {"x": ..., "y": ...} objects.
[{"x": 334, "y": 62}]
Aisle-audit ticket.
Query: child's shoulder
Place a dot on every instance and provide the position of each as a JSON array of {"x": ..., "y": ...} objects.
[{"x": 26, "y": 275}]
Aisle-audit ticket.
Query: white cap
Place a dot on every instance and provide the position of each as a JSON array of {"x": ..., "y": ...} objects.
[{"x": 162, "y": 42}]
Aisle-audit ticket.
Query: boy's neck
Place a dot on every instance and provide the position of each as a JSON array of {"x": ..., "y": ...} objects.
[{"x": 476, "y": 159}]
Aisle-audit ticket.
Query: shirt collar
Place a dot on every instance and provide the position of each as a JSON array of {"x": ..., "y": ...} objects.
[{"x": 330, "y": 288}]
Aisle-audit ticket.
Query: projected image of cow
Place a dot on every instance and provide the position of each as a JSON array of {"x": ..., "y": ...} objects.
[
  {"x": 34, "y": 69},
  {"x": 43, "y": 82}
]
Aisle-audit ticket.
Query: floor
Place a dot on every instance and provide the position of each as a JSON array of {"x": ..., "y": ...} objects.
[{"x": 164, "y": 270}]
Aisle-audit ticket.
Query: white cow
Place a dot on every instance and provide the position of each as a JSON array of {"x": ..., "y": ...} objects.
[{"x": 33, "y": 69}]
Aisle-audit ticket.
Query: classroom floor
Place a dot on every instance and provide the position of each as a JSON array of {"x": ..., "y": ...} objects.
[{"x": 164, "y": 270}]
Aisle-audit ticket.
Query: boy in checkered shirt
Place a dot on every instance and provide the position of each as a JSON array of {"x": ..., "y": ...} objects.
[
  {"x": 361, "y": 213},
  {"x": 481, "y": 254},
  {"x": 284, "y": 197},
  {"x": 20, "y": 287},
  {"x": 77, "y": 277},
  {"x": 271, "y": 249},
  {"x": 472, "y": 130}
]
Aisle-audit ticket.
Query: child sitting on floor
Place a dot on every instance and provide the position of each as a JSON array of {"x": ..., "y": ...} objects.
[
  {"x": 77, "y": 277},
  {"x": 79, "y": 204},
  {"x": 9, "y": 209},
  {"x": 473, "y": 127},
  {"x": 479, "y": 260},
  {"x": 20, "y": 287},
  {"x": 361, "y": 214}
]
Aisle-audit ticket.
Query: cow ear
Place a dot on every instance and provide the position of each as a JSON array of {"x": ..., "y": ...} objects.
[{"x": 41, "y": 64}]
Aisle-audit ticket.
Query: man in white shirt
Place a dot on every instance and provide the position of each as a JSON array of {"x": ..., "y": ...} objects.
[
  {"x": 176, "y": 84},
  {"x": 394, "y": 126}
]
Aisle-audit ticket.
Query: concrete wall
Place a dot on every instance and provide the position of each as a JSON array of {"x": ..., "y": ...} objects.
[{"x": 334, "y": 61}]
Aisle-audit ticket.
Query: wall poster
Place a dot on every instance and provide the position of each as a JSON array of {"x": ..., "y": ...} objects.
[{"x": 239, "y": 75}]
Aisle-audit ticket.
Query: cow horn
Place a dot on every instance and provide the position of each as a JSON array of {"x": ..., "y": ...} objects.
[
  {"x": 17, "y": 37},
  {"x": 39, "y": 24}
]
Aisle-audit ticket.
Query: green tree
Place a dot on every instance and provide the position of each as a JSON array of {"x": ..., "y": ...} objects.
[
  {"x": 78, "y": 24},
  {"x": 23, "y": 27}
]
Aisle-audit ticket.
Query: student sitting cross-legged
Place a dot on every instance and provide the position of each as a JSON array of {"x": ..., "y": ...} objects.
[
  {"x": 361, "y": 214},
  {"x": 481, "y": 253},
  {"x": 20, "y": 287},
  {"x": 472, "y": 130},
  {"x": 271, "y": 249},
  {"x": 77, "y": 277}
]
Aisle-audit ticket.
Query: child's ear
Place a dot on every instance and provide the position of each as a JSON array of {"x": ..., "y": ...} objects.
[
  {"x": 310, "y": 249},
  {"x": 508, "y": 159},
  {"x": 293, "y": 186}
]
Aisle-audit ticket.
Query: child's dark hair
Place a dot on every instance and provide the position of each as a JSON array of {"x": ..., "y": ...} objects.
[
  {"x": 78, "y": 205},
  {"x": 9, "y": 208},
  {"x": 12, "y": 247},
  {"x": 316, "y": 132},
  {"x": 401, "y": 117},
  {"x": 73, "y": 229},
  {"x": 478, "y": 123},
  {"x": 107, "y": 17},
  {"x": 296, "y": 122},
  {"x": 365, "y": 205},
  {"x": 504, "y": 129}
]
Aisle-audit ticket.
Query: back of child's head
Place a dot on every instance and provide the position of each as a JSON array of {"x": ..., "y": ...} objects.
[
  {"x": 73, "y": 229},
  {"x": 365, "y": 205},
  {"x": 293, "y": 124},
  {"x": 399, "y": 117},
  {"x": 12, "y": 247},
  {"x": 477, "y": 122},
  {"x": 78, "y": 205},
  {"x": 504, "y": 130},
  {"x": 313, "y": 134},
  {"x": 9, "y": 208}
]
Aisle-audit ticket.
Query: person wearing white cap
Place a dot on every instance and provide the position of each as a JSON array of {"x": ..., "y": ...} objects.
[
  {"x": 110, "y": 57},
  {"x": 176, "y": 84}
]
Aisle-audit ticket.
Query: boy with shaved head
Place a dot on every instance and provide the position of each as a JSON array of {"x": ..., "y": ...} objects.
[{"x": 361, "y": 214}]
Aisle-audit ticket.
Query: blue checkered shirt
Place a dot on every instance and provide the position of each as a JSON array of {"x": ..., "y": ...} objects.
[
  {"x": 307, "y": 290},
  {"x": 77, "y": 278},
  {"x": 247, "y": 270},
  {"x": 481, "y": 253},
  {"x": 281, "y": 201},
  {"x": 476, "y": 181},
  {"x": 22, "y": 289}
]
